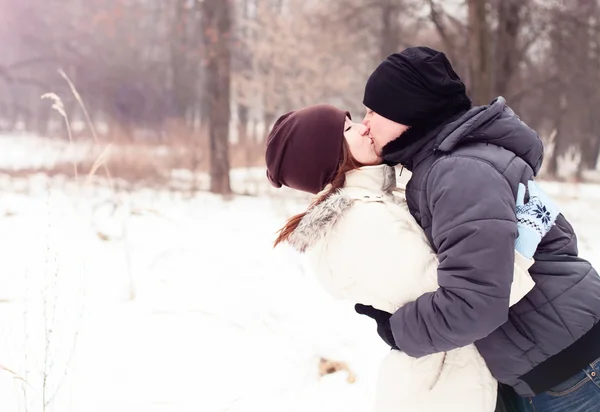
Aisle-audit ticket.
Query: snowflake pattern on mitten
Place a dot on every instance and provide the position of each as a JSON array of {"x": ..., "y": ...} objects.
[
  {"x": 539, "y": 213},
  {"x": 534, "y": 218},
  {"x": 535, "y": 215}
]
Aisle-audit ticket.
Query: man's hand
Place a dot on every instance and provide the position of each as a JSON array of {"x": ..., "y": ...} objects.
[
  {"x": 534, "y": 218},
  {"x": 383, "y": 322}
]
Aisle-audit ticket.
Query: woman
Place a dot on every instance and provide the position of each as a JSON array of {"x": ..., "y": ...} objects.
[{"x": 366, "y": 247}]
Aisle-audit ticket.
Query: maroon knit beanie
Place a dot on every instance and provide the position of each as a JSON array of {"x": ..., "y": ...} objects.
[{"x": 304, "y": 148}]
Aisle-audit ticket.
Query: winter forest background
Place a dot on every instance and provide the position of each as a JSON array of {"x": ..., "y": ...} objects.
[
  {"x": 125, "y": 284},
  {"x": 161, "y": 73}
]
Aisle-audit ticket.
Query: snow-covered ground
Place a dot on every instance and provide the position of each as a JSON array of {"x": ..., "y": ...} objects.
[
  {"x": 153, "y": 300},
  {"x": 161, "y": 302}
]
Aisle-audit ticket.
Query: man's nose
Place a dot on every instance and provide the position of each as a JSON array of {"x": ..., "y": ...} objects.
[
  {"x": 363, "y": 129},
  {"x": 366, "y": 122}
]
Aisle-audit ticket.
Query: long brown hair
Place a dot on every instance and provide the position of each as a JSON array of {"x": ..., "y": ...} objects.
[{"x": 346, "y": 164}]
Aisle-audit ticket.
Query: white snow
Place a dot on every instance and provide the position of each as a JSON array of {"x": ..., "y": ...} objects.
[
  {"x": 25, "y": 151},
  {"x": 218, "y": 320},
  {"x": 159, "y": 301}
]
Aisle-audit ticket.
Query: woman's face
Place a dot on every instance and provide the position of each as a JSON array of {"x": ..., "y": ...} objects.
[{"x": 361, "y": 145}]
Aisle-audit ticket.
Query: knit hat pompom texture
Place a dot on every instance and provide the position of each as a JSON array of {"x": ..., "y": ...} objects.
[
  {"x": 304, "y": 148},
  {"x": 412, "y": 86}
]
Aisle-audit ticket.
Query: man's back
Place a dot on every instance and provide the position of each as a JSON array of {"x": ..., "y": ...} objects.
[{"x": 548, "y": 320}]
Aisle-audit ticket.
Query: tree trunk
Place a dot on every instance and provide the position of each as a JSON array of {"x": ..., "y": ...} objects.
[
  {"x": 507, "y": 50},
  {"x": 389, "y": 29},
  {"x": 560, "y": 143},
  {"x": 589, "y": 153},
  {"x": 553, "y": 161},
  {"x": 268, "y": 119},
  {"x": 479, "y": 48},
  {"x": 242, "y": 125},
  {"x": 42, "y": 119},
  {"x": 182, "y": 77},
  {"x": 216, "y": 23}
]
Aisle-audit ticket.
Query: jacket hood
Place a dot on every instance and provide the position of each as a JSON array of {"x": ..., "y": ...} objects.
[{"x": 495, "y": 124}]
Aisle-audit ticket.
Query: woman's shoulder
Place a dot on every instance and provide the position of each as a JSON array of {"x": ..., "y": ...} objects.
[
  {"x": 320, "y": 219},
  {"x": 376, "y": 204},
  {"x": 342, "y": 210},
  {"x": 375, "y": 217},
  {"x": 372, "y": 215}
]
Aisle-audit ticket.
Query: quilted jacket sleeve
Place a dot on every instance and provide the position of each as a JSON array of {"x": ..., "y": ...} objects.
[{"x": 474, "y": 230}]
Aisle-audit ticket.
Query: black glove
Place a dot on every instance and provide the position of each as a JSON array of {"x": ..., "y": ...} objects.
[{"x": 383, "y": 322}]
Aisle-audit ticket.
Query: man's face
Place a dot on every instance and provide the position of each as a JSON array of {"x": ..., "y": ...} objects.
[{"x": 382, "y": 130}]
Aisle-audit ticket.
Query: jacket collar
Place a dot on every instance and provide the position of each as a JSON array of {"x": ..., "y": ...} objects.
[
  {"x": 418, "y": 143},
  {"x": 493, "y": 124},
  {"x": 380, "y": 178},
  {"x": 373, "y": 182}
]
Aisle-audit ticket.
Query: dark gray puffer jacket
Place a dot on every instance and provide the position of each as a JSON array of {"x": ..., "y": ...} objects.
[{"x": 462, "y": 192}]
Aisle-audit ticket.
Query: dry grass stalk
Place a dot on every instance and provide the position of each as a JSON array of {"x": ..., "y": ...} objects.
[
  {"x": 60, "y": 108},
  {"x": 89, "y": 123},
  {"x": 58, "y": 105},
  {"x": 14, "y": 374},
  {"x": 101, "y": 161}
]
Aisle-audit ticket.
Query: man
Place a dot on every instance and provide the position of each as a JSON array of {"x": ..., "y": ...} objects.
[{"x": 466, "y": 164}]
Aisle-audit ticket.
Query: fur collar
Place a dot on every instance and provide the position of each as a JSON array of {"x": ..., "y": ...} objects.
[{"x": 320, "y": 218}]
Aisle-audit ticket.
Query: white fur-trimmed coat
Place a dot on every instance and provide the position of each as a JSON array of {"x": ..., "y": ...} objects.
[{"x": 365, "y": 247}]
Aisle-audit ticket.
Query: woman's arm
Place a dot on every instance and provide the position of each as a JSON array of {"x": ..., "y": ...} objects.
[
  {"x": 522, "y": 281},
  {"x": 372, "y": 244},
  {"x": 376, "y": 255}
]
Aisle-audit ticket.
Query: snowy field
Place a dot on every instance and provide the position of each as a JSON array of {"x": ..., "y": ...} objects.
[{"x": 155, "y": 300}]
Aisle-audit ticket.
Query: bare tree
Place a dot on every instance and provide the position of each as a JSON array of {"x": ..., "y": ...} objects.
[
  {"x": 480, "y": 48},
  {"x": 507, "y": 54},
  {"x": 216, "y": 25},
  {"x": 574, "y": 40},
  {"x": 143, "y": 66}
]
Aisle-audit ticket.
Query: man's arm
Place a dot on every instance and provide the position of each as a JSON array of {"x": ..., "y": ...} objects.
[{"x": 474, "y": 230}]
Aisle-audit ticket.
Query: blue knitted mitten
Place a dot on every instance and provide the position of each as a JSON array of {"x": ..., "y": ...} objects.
[{"x": 534, "y": 218}]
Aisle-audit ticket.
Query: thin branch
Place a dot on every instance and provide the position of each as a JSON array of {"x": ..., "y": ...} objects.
[
  {"x": 522, "y": 51},
  {"x": 32, "y": 61},
  {"x": 354, "y": 12},
  {"x": 10, "y": 79},
  {"x": 71, "y": 355},
  {"x": 436, "y": 18},
  {"x": 525, "y": 91},
  {"x": 459, "y": 24}
]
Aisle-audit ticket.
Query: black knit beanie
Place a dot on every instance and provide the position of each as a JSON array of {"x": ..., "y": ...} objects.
[{"x": 415, "y": 87}]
